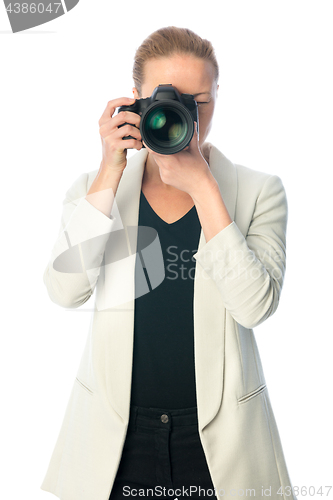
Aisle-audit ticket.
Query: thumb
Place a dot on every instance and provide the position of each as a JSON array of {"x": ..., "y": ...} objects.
[{"x": 195, "y": 139}]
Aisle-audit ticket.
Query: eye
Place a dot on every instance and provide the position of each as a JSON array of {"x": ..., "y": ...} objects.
[{"x": 200, "y": 103}]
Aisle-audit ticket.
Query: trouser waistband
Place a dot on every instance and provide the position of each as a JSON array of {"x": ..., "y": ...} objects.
[{"x": 162, "y": 418}]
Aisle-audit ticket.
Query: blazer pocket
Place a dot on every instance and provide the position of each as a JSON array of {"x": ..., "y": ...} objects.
[
  {"x": 252, "y": 394},
  {"x": 85, "y": 387}
]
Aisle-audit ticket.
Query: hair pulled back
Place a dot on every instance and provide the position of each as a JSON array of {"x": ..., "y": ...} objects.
[{"x": 169, "y": 41}]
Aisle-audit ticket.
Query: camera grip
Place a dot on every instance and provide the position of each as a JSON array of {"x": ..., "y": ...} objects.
[
  {"x": 131, "y": 107},
  {"x": 128, "y": 136}
]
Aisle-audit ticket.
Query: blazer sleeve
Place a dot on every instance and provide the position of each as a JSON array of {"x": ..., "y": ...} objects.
[
  {"x": 74, "y": 267},
  {"x": 249, "y": 271}
]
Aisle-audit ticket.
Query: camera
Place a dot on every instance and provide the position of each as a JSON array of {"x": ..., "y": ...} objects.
[{"x": 167, "y": 119}]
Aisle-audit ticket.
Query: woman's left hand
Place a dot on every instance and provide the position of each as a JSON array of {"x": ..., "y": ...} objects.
[{"x": 185, "y": 170}]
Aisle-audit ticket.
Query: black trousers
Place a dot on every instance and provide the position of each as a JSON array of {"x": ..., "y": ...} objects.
[{"x": 163, "y": 457}]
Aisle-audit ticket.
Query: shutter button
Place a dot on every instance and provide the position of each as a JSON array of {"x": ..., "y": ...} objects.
[{"x": 164, "y": 418}]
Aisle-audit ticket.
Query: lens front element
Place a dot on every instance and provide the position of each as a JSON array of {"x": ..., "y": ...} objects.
[
  {"x": 157, "y": 120},
  {"x": 167, "y": 127}
]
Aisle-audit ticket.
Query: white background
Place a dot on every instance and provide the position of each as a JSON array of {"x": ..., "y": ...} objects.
[{"x": 274, "y": 114}]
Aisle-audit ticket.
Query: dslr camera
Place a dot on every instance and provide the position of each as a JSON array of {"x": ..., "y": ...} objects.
[{"x": 167, "y": 119}]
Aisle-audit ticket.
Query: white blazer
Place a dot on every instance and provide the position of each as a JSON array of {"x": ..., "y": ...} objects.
[{"x": 238, "y": 280}]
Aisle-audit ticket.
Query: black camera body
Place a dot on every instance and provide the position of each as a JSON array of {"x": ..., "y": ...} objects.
[{"x": 167, "y": 119}]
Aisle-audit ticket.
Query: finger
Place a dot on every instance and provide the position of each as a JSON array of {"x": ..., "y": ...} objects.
[
  {"x": 112, "y": 105},
  {"x": 194, "y": 143},
  {"x": 127, "y": 130},
  {"x": 118, "y": 121},
  {"x": 126, "y": 117},
  {"x": 122, "y": 144},
  {"x": 196, "y": 131}
]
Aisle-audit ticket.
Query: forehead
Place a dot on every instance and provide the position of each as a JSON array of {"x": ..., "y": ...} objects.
[{"x": 188, "y": 73}]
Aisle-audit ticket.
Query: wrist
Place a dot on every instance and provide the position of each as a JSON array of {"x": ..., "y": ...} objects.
[
  {"x": 208, "y": 184},
  {"x": 105, "y": 180},
  {"x": 109, "y": 172}
]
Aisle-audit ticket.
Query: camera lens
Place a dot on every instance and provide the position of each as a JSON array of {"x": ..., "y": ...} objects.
[{"x": 167, "y": 127}]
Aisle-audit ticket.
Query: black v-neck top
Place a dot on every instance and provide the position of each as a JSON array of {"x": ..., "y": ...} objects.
[{"x": 163, "y": 373}]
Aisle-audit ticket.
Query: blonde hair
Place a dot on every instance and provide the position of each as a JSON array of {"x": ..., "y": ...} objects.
[{"x": 169, "y": 41}]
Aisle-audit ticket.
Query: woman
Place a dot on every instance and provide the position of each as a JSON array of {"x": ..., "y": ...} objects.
[{"x": 170, "y": 395}]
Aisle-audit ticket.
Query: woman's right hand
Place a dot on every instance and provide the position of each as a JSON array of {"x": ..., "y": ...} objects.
[{"x": 113, "y": 146}]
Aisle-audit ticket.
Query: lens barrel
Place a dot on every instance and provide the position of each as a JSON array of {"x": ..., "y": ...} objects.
[{"x": 167, "y": 126}]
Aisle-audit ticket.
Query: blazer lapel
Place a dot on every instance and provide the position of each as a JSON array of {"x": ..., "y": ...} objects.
[{"x": 208, "y": 310}]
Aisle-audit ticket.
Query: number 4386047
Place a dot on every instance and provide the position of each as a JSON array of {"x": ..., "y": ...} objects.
[{"x": 32, "y": 8}]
